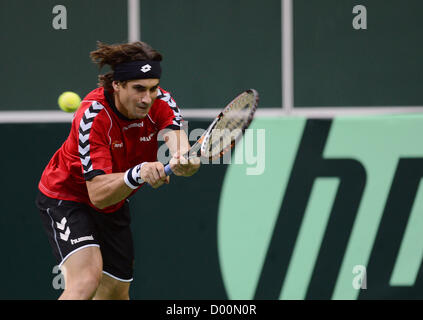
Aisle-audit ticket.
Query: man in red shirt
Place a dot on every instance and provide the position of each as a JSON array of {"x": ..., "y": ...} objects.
[{"x": 110, "y": 153}]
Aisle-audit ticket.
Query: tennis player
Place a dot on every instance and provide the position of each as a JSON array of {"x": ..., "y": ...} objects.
[{"x": 110, "y": 153}]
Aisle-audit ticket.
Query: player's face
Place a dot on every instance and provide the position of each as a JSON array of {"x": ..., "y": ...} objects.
[{"x": 135, "y": 99}]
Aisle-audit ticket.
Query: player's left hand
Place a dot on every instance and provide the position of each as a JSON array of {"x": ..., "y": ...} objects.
[{"x": 183, "y": 167}]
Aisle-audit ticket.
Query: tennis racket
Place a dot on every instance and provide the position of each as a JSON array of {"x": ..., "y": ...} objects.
[{"x": 226, "y": 129}]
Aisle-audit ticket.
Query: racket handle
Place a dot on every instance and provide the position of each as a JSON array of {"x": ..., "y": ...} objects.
[{"x": 168, "y": 170}]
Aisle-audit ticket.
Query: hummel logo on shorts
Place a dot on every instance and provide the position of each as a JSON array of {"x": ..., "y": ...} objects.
[
  {"x": 61, "y": 226},
  {"x": 73, "y": 241}
]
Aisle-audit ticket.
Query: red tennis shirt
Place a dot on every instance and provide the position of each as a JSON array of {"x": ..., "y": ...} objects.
[{"x": 103, "y": 141}]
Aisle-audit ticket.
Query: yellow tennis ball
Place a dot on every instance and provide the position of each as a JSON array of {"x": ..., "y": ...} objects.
[{"x": 69, "y": 101}]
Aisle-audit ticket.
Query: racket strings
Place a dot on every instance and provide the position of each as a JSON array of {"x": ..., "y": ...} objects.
[{"x": 230, "y": 126}]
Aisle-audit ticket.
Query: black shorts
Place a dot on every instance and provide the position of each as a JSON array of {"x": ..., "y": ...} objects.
[{"x": 71, "y": 226}]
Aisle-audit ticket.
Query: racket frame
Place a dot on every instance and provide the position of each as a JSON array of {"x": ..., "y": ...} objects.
[{"x": 198, "y": 148}]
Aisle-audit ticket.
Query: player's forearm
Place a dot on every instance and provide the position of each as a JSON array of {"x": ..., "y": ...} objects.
[
  {"x": 178, "y": 144},
  {"x": 108, "y": 189}
]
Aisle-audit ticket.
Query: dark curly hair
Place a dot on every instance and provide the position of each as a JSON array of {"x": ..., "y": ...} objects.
[{"x": 117, "y": 53}]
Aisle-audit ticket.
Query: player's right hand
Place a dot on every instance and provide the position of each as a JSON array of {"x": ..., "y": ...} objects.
[{"x": 153, "y": 173}]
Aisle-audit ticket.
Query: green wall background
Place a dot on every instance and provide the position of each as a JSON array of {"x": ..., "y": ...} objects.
[
  {"x": 336, "y": 65},
  {"x": 334, "y": 194},
  {"x": 213, "y": 49},
  {"x": 39, "y": 62},
  {"x": 176, "y": 247}
]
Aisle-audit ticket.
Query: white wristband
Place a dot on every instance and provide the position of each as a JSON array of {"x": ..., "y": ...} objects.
[{"x": 132, "y": 176}]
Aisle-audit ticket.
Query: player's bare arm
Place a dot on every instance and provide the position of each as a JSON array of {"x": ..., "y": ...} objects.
[
  {"x": 108, "y": 189},
  {"x": 178, "y": 144}
]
